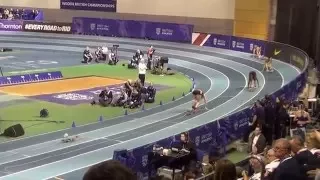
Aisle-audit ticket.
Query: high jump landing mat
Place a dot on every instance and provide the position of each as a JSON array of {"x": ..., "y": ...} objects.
[{"x": 59, "y": 86}]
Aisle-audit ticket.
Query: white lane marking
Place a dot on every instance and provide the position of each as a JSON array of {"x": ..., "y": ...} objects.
[
  {"x": 6, "y": 57},
  {"x": 181, "y": 105}
]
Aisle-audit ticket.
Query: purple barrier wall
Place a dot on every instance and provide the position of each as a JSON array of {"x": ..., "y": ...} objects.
[
  {"x": 133, "y": 29},
  {"x": 91, "y": 5}
]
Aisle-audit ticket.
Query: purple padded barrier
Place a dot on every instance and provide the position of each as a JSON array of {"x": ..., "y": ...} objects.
[{"x": 133, "y": 29}]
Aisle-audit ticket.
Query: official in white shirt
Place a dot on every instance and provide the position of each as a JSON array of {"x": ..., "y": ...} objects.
[{"x": 142, "y": 67}]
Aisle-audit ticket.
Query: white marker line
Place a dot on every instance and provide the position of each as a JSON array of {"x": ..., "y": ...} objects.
[{"x": 181, "y": 105}]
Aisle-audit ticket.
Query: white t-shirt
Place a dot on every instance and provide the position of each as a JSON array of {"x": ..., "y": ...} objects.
[
  {"x": 255, "y": 140},
  {"x": 105, "y": 50},
  {"x": 142, "y": 68}
]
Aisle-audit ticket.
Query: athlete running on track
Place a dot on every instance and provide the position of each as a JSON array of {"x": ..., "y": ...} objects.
[{"x": 198, "y": 96}]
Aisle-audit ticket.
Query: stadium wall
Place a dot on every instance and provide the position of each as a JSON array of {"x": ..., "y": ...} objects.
[
  {"x": 251, "y": 19},
  {"x": 214, "y": 16}
]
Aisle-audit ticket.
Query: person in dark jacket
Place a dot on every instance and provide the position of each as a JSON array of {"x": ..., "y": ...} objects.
[
  {"x": 304, "y": 157},
  {"x": 288, "y": 168},
  {"x": 270, "y": 117},
  {"x": 104, "y": 98},
  {"x": 282, "y": 118}
]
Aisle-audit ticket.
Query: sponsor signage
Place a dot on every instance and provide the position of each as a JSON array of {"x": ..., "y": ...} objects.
[
  {"x": 245, "y": 45},
  {"x": 220, "y": 41},
  {"x": 47, "y": 27},
  {"x": 91, "y": 5},
  {"x": 6, "y": 25},
  {"x": 133, "y": 29}
]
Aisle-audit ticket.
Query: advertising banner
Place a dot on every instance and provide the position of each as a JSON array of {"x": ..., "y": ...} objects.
[
  {"x": 6, "y": 25},
  {"x": 220, "y": 41},
  {"x": 204, "y": 136},
  {"x": 169, "y": 32},
  {"x": 246, "y": 45},
  {"x": 133, "y": 29},
  {"x": 91, "y": 5},
  {"x": 47, "y": 27}
]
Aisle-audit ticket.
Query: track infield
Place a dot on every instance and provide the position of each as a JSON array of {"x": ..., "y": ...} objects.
[{"x": 68, "y": 99}]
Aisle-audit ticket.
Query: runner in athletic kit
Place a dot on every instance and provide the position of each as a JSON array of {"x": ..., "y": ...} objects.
[{"x": 198, "y": 96}]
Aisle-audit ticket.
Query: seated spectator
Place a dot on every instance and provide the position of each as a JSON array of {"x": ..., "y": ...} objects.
[
  {"x": 288, "y": 167},
  {"x": 257, "y": 142},
  {"x": 272, "y": 163},
  {"x": 304, "y": 157},
  {"x": 109, "y": 170},
  {"x": 10, "y": 16},
  {"x": 313, "y": 144},
  {"x": 258, "y": 168},
  {"x": 225, "y": 170}
]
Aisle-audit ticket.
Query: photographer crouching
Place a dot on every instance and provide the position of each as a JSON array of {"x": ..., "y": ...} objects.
[
  {"x": 87, "y": 56},
  {"x": 104, "y": 98}
]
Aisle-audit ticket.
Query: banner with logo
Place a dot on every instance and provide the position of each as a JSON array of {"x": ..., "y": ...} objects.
[
  {"x": 220, "y": 41},
  {"x": 91, "y": 5},
  {"x": 47, "y": 27},
  {"x": 133, "y": 29},
  {"x": 246, "y": 45},
  {"x": 15, "y": 25},
  {"x": 169, "y": 32}
]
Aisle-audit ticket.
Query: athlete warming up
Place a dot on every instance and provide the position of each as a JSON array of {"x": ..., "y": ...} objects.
[
  {"x": 198, "y": 96},
  {"x": 267, "y": 66},
  {"x": 253, "y": 81}
]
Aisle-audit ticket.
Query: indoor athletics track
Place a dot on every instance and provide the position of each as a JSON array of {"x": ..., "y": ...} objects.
[{"x": 222, "y": 74}]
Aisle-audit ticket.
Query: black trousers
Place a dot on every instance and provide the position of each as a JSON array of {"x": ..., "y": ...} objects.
[{"x": 142, "y": 78}]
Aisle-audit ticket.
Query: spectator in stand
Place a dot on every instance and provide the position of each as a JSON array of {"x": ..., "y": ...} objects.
[
  {"x": 302, "y": 117},
  {"x": 259, "y": 117},
  {"x": 304, "y": 157},
  {"x": 257, "y": 142},
  {"x": 10, "y": 16},
  {"x": 270, "y": 112},
  {"x": 288, "y": 168},
  {"x": 313, "y": 144},
  {"x": 281, "y": 119},
  {"x": 109, "y": 170},
  {"x": 225, "y": 170},
  {"x": 272, "y": 163},
  {"x": 257, "y": 166}
]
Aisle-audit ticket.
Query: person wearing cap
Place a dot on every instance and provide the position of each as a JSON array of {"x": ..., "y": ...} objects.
[{"x": 142, "y": 71}]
